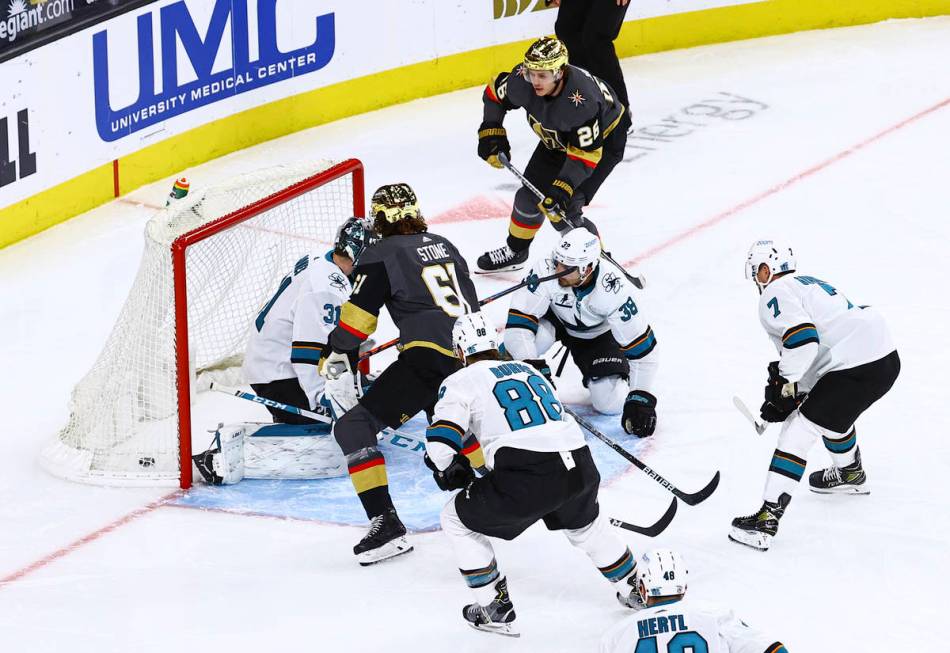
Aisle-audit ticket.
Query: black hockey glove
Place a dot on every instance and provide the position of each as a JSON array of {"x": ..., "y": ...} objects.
[
  {"x": 555, "y": 203},
  {"x": 771, "y": 413},
  {"x": 542, "y": 366},
  {"x": 492, "y": 141},
  {"x": 639, "y": 414},
  {"x": 456, "y": 476},
  {"x": 780, "y": 393}
]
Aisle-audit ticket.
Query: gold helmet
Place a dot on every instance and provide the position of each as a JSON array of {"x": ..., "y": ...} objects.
[
  {"x": 547, "y": 53},
  {"x": 395, "y": 202}
]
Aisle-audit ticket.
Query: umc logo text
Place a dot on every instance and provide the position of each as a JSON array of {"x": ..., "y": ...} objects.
[{"x": 177, "y": 26}]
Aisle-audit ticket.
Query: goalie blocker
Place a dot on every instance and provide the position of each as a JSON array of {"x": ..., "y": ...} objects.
[{"x": 270, "y": 451}]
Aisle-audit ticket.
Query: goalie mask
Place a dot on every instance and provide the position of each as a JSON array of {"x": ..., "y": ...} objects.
[
  {"x": 353, "y": 237},
  {"x": 779, "y": 259},
  {"x": 661, "y": 572},
  {"x": 473, "y": 333},
  {"x": 394, "y": 202}
]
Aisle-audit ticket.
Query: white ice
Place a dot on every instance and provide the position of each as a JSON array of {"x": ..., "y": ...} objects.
[{"x": 846, "y": 156}]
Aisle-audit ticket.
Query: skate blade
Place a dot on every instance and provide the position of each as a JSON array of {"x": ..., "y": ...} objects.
[
  {"x": 391, "y": 549},
  {"x": 757, "y": 541},
  {"x": 510, "y": 268},
  {"x": 508, "y": 630},
  {"x": 859, "y": 490}
]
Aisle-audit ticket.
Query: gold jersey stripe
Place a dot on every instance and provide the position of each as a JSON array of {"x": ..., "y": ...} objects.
[{"x": 355, "y": 317}]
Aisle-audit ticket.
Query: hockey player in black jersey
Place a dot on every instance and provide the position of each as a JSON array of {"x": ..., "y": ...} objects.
[
  {"x": 424, "y": 283},
  {"x": 583, "y": 131}
]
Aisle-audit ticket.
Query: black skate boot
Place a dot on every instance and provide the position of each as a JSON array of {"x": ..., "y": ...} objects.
[
  {"x": 386, "y": 539},
  {"x": 503, "y": 259},
  {"x": 758, "y": 529},
  {"x": 629, "y": 597},
  {"x": 850, "y": 479},
  {"x": 496, "y": 617}
]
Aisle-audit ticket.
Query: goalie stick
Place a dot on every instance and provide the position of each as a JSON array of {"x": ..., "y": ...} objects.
[
  {"x": 488, "y": 300},
  {"x": 689, "y": 499},
  {"x": 756, "y": 424},
  {"x": 650, "y": 531},
  {"x": 637, "y": 280}
]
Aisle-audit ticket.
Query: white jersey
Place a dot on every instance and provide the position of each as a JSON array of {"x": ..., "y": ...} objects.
[
  {"x": 685, "y": 625},
  {"x": 290, "y": 332},
  {"x": 504, "y": 404},
  {"x": 605, "y": 305},
  {"x": 816, "y": 330}
]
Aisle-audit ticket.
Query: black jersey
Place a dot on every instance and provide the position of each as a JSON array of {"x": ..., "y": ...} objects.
[
  {"x": 576, "y": 121},
  {"x": 424, "y": 283}
]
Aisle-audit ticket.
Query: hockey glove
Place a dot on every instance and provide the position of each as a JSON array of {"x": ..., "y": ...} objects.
[
  {"x": 342, "y": 393},
  {"x": 639, "y": 414},
  {"x": 492, "y": 141},
  {"x": 555, "y": 203},
  {"x": 781, "y": 393},
  {"x": 336, "y": 364},
  {"x": 542, "y": 366},
  {"x": 456, "y": 476},
  {"x": 770, "y": 413}
]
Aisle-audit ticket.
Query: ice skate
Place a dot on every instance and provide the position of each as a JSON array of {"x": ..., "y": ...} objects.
[
  {"x": 503, "y": 259},
  {"x": 758, "y": 529},
  {"x": 850, "y": 479},
  {"x": 496, "y": 617},
  {"x": 386, "y": 539}
]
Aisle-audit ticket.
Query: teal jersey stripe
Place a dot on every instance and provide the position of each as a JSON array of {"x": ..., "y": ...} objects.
[{"x": 518, "y": 322}]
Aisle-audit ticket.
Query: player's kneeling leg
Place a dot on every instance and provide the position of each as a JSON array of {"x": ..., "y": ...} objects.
[
  {"x": 292, "y": 451},
  {"x": 607, "y": 394}
]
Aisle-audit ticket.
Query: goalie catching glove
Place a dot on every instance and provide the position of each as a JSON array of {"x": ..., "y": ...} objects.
[
  {"x": 456, "y": 476},
  {"x": 492, "y": 141},
  {"x": 639, "y": 414}
]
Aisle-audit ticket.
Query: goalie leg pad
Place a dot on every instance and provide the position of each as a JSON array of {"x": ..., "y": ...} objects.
[
  {"x": 305, "y": 451},
  {"x": 223, "y": 462}
]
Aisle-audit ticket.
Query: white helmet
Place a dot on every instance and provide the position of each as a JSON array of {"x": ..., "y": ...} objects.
[
  {"x": 661, "y": 572},
  {"x": 778, "y": 258},
  {"x": 580, "y": 249},
  {"x": 473, "y": 333}
]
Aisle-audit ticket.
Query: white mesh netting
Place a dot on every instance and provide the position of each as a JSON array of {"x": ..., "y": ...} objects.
[{"x": 123, "y": 428}]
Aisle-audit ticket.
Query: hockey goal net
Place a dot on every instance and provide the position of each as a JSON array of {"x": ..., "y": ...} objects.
[{"x": 211, "y": 261}]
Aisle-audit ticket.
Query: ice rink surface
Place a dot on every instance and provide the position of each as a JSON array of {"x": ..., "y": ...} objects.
[{"x": 837, "y": 142}]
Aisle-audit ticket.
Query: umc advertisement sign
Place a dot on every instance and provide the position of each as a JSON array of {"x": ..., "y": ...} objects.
[{"x": 182, "y": 70}]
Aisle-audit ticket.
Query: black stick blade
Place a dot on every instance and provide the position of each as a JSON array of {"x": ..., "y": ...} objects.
[
  {"x": 649, "y": 531},
  {"x": 702, "y": 495}
]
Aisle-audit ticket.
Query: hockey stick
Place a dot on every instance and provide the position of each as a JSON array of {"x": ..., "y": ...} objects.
[
  {"x": 649, "y": 531},
  {"x": 257, "y": 399},
  {"x": 637, "y": 281},
  {"x": 689, "y": 499},
  {"x": 759, "y": 426},
  {"x": 481, "y": 302}
]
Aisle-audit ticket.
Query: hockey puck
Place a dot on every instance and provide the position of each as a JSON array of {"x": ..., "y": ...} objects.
[{"x": 146, "y": 461}]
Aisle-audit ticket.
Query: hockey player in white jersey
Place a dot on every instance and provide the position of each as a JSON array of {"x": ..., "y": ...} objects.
[
  {"x": 540, "y": 468},
  {"x": 290, "y": 332},
  {"x": 593, "y": 313},
  {"x": 836, "y": 359},
  {"x": 669, "y": 622}
]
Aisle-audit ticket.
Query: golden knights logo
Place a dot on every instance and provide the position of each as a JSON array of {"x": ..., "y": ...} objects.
[
  {"x": 548, "y": 136},
  {"x": 507, "y": 8}
]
